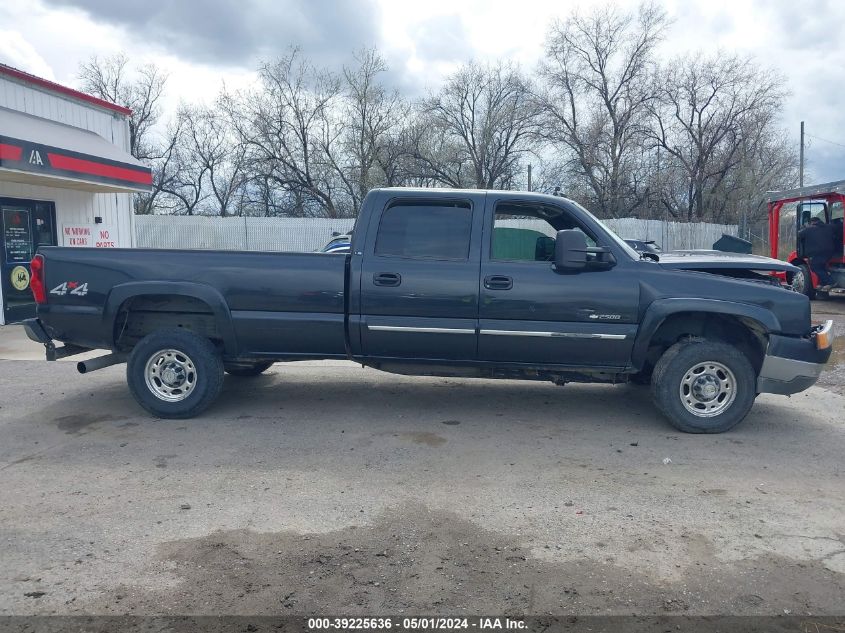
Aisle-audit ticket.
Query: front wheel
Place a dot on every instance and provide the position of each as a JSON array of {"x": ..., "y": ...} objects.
[
  {"x": 704, "y": 386},
  {"x": 175, "y": 373}
]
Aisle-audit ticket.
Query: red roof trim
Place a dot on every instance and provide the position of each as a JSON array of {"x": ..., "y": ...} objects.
[
  {"x": 94, "y": 168},
  {"x": 62, "y": 90},
  {"x": 10, "y": 152}
]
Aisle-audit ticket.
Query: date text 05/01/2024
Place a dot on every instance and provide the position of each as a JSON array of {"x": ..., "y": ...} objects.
[{"x": 416, "y": 623}]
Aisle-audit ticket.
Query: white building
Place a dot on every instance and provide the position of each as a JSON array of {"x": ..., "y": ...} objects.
[{"x": 66, "y": 178}]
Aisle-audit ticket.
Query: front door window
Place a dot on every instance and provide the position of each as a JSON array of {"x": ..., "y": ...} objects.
[{"x": 526, "y": 233}]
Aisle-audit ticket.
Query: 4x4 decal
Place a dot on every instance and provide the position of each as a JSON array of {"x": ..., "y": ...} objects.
[{"x": 72, "y": 287}]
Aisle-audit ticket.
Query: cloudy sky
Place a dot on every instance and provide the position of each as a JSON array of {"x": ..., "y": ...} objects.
[{"x": 204, "y": 44}]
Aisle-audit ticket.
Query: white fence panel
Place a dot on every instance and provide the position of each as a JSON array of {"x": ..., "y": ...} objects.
[
  {"x": 241, "y": 233},
  {"x": 672, "y": 235},
  {"x": 311, "y": 234}
]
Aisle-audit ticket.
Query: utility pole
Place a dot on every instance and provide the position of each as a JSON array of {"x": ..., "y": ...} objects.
[
  {"x": 664, "y": 234},
  {"x": 529, "y": 176},
  {"x": 801, "y": 159}
]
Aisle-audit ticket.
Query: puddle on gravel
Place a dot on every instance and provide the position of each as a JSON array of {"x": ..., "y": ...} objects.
[
  {"x": 76, "y": 422},
  {"x": 161, "y": 461},
  {"x": 418, "y": 561},
  {"x": 427, "y": 438}
]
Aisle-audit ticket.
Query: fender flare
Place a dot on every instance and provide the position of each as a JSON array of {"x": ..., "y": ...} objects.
[
  {"x": 661, "y": 309},
  {"x": 794, "y": 258},
  {"x": 203, "y": 292}
]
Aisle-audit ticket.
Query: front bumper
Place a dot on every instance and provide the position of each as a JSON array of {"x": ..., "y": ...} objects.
[{"x": 795, "y": 364}]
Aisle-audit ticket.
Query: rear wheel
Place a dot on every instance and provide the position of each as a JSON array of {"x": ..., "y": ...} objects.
[
  {"x": 247, "y": 369},
  {"x": 802, "y": 281},
  {"x": 704, "y": 386},
  {"x": 174, "y": 373}
]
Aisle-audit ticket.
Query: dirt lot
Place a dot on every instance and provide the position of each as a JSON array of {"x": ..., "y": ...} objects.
[{"x": 326, "y": 488}]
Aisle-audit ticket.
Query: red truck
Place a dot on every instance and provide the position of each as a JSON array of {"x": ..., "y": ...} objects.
[{"x": 824, "y": 202}]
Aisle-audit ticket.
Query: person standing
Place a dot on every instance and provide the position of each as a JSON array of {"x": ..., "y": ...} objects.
[{"x": 816, "y": 244}]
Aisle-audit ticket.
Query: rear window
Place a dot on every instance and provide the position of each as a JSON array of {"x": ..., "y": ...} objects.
[{"x": 431, "y": 230}]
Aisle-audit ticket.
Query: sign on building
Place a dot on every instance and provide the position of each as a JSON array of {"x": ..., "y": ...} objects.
[{"x": 88, "y": 236}]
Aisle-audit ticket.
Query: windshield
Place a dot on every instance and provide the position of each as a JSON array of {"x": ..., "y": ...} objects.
[{"x": 619, "y": 241}]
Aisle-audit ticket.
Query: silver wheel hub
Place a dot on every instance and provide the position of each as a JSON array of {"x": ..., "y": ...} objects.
[
  {"x": 708, "y": 389},
  {"x": 798, "y": 281},
  {"x": 170, "y": 375}
]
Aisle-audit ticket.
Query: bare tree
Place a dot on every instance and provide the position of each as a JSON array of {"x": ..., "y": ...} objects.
[
  {"x": 215, "y": 160},
  {"x": 111, "y": 79},
  {"x": 289, "y": 126},
  {"x": 435, "y": 157},
  {"x": 373, "y": 116},
  {"x": 185, "y": 187},
  {"x": 711, "y": 119},
  {"x": 475, "y": 130},
  {"x": 698, "y": 138},
  {"x": 597, "y": 75},
  {"x": 165, "y": 165}
]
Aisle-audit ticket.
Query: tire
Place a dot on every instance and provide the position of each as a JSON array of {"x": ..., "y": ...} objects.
[
  {"x": 251, "y": 369},
  {"x": 803, "y": 282},
  {"x": 723, "y": 369},
  {"x": 194, "y": 373}
]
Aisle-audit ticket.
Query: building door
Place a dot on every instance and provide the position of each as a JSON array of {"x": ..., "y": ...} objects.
[{"x": 26, "y": 225}]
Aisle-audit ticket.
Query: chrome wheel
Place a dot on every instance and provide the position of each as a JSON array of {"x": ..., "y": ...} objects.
[
  {"x": 170, "y": 375},
  {"x": 708, "y": 389}
]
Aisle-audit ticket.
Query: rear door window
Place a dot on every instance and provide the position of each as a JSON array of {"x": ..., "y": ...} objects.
[{"x": 425, "y": 230}]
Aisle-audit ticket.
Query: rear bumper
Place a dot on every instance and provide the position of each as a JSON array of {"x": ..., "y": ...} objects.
[
  {"x": 36, "y": 332},
  {"x": 792, "y": 365}
]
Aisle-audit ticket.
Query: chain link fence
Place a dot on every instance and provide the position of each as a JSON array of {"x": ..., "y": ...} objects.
[{"x": 311, "y": 234}]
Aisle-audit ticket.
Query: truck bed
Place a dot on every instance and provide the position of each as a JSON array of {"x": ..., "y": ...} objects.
[{"x": 264, "y": 299}]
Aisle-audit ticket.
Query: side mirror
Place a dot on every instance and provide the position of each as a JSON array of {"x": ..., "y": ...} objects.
[{"x": 570, "y": 250}]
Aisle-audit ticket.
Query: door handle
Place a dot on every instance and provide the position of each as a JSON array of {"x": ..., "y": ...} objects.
[
  {"x": 498, "y": 282},
  {"x": 387, "y": 279}
]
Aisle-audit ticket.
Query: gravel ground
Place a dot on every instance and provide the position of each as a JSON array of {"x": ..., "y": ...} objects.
[{"x": 327, "y": 488}]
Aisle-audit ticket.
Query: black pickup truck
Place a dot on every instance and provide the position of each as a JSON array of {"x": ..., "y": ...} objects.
[{"x": 447, "y": 283}]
